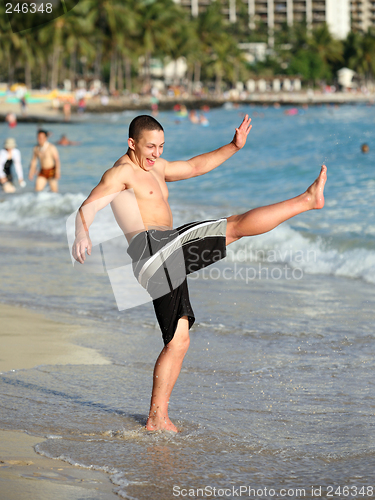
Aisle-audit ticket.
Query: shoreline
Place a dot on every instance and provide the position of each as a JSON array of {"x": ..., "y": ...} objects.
[
  {"x": 30, "y": 339},
  {"x": 24, "y": 474},
  {"x": 43, "y": 112}
]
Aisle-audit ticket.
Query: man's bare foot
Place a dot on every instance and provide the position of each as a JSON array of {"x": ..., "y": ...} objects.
[
  {"x": 157, "y": 421},
  {"x": 314, "y": 193}
]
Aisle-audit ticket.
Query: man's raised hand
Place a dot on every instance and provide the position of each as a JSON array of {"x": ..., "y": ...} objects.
[
  {"x": 79, "y": 249},
  {"x": 239, "y": 139}
]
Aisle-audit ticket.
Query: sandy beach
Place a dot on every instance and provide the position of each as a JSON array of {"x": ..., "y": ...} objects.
[
  {"x": 28, "y": 339},
  {"x": 44, "y": 111}
]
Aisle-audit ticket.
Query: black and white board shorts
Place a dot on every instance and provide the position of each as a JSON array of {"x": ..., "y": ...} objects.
[{"x": 163, "y": 259}]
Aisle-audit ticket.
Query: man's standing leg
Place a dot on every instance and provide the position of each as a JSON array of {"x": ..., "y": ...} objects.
[
  {"x": 166, "y": 371},
  {"x": 40, "y": 183},
  {"x": 53, "y": 184},
  {"x": 263, "y": 219},
  {"x": 256, "y": 221}
]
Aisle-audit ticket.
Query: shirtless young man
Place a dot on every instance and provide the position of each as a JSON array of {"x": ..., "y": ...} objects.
[
  {"x": 143, "y": 172},
  {"x": 49, "y": 160}
]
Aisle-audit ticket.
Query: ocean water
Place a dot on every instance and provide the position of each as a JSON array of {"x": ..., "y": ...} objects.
[{"x": 277, "y": 392}]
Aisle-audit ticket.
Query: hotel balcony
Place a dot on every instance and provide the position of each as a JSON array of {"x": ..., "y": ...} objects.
[
  {"x": 280, "y": 18},
  {"x": 261, "y": 10},
  {"x": 319, "y": 6},
  {"x": 299, "y": 8}
]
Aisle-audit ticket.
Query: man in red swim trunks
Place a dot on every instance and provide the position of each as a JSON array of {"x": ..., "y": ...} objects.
[
  {"x": 49, "y": 160},
  {"x": 163, "y": 256}
]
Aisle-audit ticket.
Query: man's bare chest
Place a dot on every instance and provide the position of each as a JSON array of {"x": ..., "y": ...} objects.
[
  {"x": 45, "y": 155},
  {"x": 150, "y": 187}
]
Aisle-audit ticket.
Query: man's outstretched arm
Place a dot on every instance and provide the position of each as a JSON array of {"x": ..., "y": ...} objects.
[
  {"x": 111, "y": 184},
  {"x": 199, "y": 165}
]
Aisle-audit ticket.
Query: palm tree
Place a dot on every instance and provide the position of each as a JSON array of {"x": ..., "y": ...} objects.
[
  {"x": 359, "y": 53},
  {"x": 313, "y": 55},
  {"x": 9, "y": 44},
  {"x": 328, "y": 48},
  {"x": 186, "y": 44},
  {"x": 156, "y": 27},
  {"x": 109, "y": 19},
  {"x": 220, "y": 50}
]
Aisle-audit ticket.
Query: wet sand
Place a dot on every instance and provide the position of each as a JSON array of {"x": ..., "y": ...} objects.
[
  {"x": 25, "y": 475},
  {"x": 28, "y": 339}
]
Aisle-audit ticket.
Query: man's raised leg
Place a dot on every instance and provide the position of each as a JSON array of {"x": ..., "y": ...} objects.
[
  {"x": 263, "y": 219},
  {"x": 166, "y": 371}
]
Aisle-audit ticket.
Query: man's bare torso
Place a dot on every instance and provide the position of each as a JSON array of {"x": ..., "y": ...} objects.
[
  {"x": 45, "y": 154},
  {"x": 143, "y": 204}
]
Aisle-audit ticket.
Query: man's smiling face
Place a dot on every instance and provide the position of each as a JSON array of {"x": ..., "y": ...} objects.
[{"x": 148, "y": 148}]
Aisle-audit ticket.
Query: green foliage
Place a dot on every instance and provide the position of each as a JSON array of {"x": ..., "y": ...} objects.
[
  {"x": 101, "y": 37},
  {"x": 359, "y": 53}
]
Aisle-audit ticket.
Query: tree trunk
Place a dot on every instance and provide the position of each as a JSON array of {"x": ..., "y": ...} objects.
[
  {"x": 63, "y": 72},
  {"x": 120, "y": 76},
  {"x": 55, "y": 67},
  {"x": 112, "y": 75},
  {"x": 176, "y": 79},
  {"x": 28, "y": 74},
  {"x": 128, "y": 74},
  {"x": 49, "y": 71},
  {"x": 72, "y": 67},
  {"x": 98, "y": 61},
  {"x": 197, "y": 72},
  {"x": 218, "y": 82},
  {"x": 235, "y": 74},
  {"x": 43, "y": 74},
  {"x": 10, "y": 71},
  {"x": 148, "y": 70},
  {"x": 190, "y": 80}
]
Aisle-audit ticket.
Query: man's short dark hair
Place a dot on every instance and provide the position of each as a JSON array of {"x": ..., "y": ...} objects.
[
  {"x": 41, "y": 131},
  {"x": 140, "y": 123}
]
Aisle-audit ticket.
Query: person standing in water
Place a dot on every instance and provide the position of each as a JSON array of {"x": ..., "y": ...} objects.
[
  {"x": 10, "y": 157},
  {"x": 49, "y": 160},
  {"x": 163, "y": 256}
]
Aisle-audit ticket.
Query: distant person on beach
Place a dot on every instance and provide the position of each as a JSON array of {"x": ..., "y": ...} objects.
[
  {"x": 365, "y": 148},
  {"x": 67, "y": 110},
  {"x": 10, "y": 157},
  {"x": 156, "y": 248},
  {"x": 23, "y": 105},
  {"x": 11, "y": 119},
  {"x": 49, "y": 160},
  {"x": 81, "y": 105},
  {"x": 64, "y": 141}
]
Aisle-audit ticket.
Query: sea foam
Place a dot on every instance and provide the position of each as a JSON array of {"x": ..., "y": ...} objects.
[{"x": 313, "y": 254}]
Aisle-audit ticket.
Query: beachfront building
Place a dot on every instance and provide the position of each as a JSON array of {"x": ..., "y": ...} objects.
[
  {"x": 363, "y": 14},
  {"x": 276, "y": 13}
]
